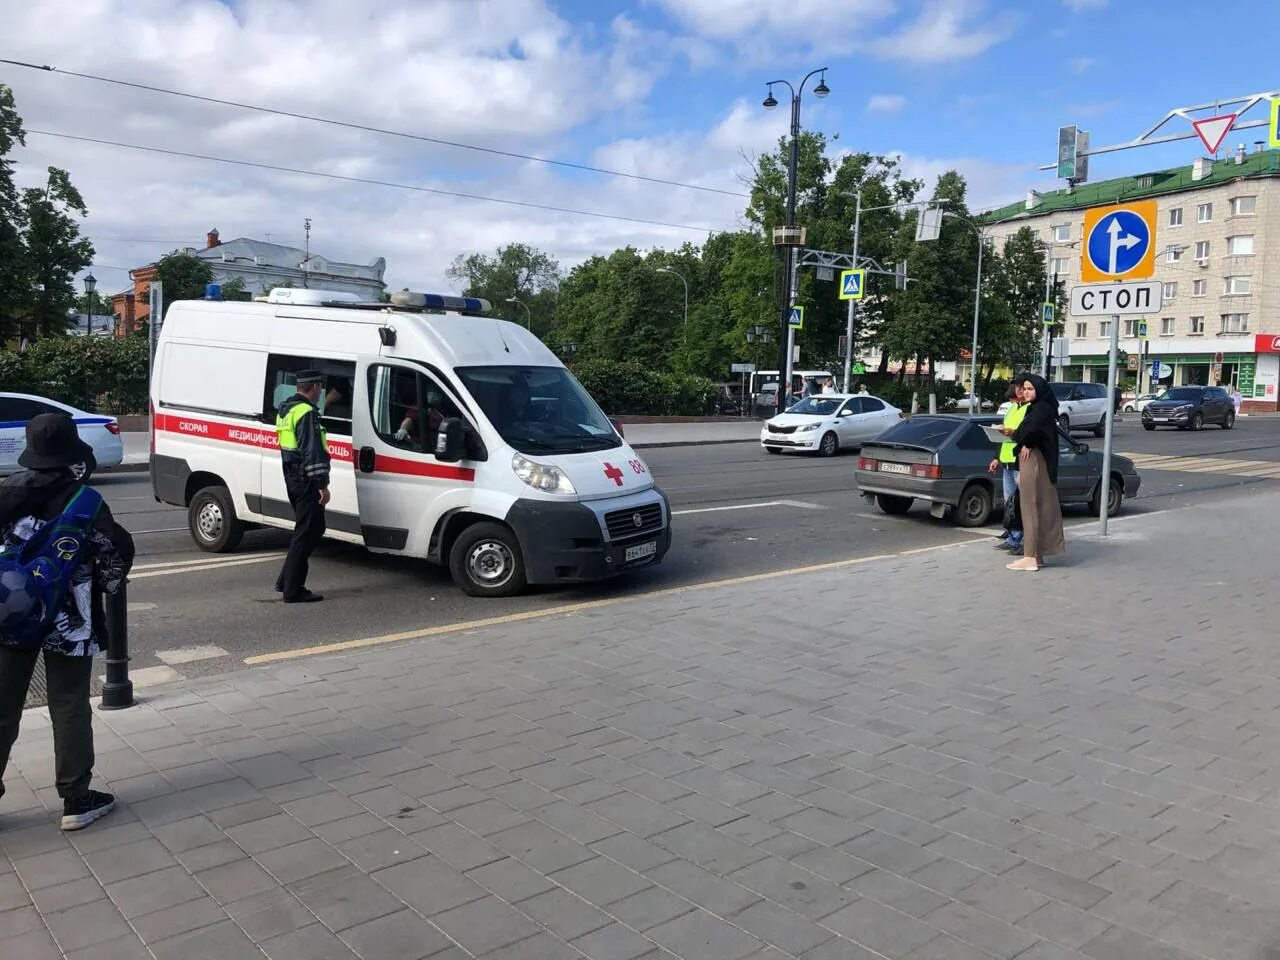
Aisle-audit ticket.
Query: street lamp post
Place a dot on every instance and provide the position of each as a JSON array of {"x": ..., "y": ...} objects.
[
  {"x": 686, "y": 294},
  {"x": 570, "y": 347},
  {"x": 90, "y": 285},
  {"x": 528, "y": 316},
  {"x": 974, "y": 404},
  {"x": 792, "y": 273},
  {"x": 756, "y": 333}
]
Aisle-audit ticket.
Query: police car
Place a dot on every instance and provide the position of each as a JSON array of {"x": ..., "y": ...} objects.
[
  {"x": 99, "y": 432},
  {"x": 455, "y": 437}
]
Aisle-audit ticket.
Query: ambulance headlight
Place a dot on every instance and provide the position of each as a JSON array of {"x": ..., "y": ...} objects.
[{"x": 542, "y": 476}]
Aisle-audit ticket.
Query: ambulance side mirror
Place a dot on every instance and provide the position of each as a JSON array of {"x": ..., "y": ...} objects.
[{"x": 450, "y": 440}]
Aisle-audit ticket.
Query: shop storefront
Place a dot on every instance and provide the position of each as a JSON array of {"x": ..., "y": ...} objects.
[{"x": 1255, "y": 375}]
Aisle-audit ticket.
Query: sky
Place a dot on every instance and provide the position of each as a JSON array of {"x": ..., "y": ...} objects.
[{"x": 666, "y": 89}]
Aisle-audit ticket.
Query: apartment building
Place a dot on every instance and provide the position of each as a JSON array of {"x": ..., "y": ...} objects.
[{"x": 1217, "y": 255}]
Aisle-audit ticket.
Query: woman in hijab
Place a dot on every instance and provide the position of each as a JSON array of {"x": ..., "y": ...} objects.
[{"x": 1036, "y": 440}]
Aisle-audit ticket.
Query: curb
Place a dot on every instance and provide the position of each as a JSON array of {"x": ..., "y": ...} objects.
[
  {"x": 124, "y": 468},
  {"x": 662, "y": 444}
]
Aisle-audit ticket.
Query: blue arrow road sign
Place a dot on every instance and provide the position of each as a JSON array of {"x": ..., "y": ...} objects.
[
  {"x": 795, "y": 318},
  {"x": 1118, "y": 242}
]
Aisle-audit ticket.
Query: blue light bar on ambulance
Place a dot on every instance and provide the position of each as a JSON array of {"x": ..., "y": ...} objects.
[{"x": 439, "y": 301}]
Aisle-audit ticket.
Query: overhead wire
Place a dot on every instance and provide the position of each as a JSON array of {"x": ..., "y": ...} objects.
[
  {"x": 278, "y": 168},
  {"x": 369, "y": 128}
]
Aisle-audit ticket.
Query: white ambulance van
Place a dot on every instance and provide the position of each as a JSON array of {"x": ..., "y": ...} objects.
[{"x": 455, "y": 437}]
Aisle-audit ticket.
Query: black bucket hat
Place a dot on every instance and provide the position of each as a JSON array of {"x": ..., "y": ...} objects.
[{"x": 53, "y": 443}]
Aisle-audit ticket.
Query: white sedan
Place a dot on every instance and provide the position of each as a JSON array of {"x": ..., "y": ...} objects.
[
  {"x": 99, "y": 432},
  {"x": 826, "y": 423},
  {"x": 1137, "y": 406}
]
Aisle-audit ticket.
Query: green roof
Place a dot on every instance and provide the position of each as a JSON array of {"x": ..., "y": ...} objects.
[{"x": 1264, "y": 163}]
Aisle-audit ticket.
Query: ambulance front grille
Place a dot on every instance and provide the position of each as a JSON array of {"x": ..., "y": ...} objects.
[{"x": 635, "y": 522}]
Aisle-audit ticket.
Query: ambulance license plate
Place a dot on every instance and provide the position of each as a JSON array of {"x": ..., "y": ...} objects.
[
  {"x": 640, "y": 551},
  {"x": 894, "y": 468}
]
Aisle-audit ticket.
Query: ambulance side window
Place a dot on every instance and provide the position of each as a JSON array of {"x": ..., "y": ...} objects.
[
  {"x": 335, "y": 401},
  {"x": 407, "y": 408}
]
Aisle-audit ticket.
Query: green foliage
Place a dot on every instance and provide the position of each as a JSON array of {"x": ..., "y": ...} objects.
[
  {"x": 93, "y": 373},
  {"x": 633, "y": 388},
  {"x": 41, "y": 249},
  {"x": 184, "y": 276},
  {"x": 516, "y": 270}
]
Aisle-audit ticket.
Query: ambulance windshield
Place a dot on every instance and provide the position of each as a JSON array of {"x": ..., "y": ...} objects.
[{"x": 540, "y": 409}]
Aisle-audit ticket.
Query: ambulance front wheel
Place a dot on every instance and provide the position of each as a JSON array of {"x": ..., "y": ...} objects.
[
  {"x": 211, "y": 517},
  {"x": 486, "y": 561}
]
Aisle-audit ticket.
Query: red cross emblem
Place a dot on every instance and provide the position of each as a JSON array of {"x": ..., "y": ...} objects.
[{"x": 613, "y": 473}]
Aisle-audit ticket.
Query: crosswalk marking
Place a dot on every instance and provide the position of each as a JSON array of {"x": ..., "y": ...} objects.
[{"x": 1262, "y": 469}]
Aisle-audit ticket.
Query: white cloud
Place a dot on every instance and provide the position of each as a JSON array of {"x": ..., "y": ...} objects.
[
  {"x": 1081, "y": 64},
  {"x": 510, "y": 74},
  {"x": 886, "y": 103},
  {"x": 808, "y": 21},
  {"x": 946, "y": 31},
  {"x": 989, "y": 184}
]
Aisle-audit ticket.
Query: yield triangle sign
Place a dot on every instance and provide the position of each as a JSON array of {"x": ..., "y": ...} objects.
[{"x": 1213, "y": 130}]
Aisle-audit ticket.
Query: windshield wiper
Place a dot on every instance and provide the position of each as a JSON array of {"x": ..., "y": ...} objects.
[{"x": 531, "y": 442}]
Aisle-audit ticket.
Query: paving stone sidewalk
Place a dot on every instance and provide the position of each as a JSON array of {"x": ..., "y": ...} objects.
[{"x": 921, "y": 758}]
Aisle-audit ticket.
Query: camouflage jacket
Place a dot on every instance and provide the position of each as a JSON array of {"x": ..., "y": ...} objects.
[{"x": 30, "y": 499}]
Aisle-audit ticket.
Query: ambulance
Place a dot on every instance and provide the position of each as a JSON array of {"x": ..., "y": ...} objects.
[{"x": 455, "y": 437}]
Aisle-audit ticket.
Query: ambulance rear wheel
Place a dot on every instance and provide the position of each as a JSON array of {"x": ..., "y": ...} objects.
[
  {"x": 486, "y": 561},
  {"x": 211, "y": 517}
]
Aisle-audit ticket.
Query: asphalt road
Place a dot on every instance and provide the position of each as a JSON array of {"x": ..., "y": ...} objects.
[{"x": 738, "y": 512}]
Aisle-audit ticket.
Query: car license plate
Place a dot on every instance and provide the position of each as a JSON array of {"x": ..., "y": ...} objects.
[
  {"x": 1160, "y": 419},
  {"x": 894, "y": 468},
  {"x": 640, "y": 551}
]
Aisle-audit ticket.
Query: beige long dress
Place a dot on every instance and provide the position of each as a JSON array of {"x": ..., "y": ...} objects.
[{"x": 1041, "y": 512}]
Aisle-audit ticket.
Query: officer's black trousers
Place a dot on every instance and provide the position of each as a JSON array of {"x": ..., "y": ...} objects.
[{"x": 308, "y": 531}]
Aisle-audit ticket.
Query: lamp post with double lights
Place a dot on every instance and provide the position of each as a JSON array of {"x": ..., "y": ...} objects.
[
  {"x": 90, "y": 285},
  {"x": 757, "y": 333},
  {"x": 792, "y": 272},
  {"x": 528, "y": 316}
]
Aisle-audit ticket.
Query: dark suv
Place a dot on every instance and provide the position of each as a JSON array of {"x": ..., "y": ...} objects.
[{"x": 1190, "y": 408}]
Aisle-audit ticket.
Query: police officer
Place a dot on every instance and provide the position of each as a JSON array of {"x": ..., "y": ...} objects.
[{"x": 304, "y": 454}]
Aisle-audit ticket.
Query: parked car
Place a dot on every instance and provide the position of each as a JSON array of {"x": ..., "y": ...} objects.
[
  {"x": 99, "y": 432},
  {"x": 1082, "y": 406},
  {"x": 1138, "y": 404},
  {"x": 828, "y": 422},
  {"x": 964, "y": 402},
  {"x": 1190, "y": 408},
  {"x": 943, "y": 460}
]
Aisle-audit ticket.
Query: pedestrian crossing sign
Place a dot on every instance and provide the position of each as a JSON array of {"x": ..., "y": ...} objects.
[
  {"x": 795, "y": 318},
  {"x": 852, "y": 283}
]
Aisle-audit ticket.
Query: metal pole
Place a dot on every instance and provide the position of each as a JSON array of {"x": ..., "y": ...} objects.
[
  {"x": 117, "y": 691},
  {"x": 1104, "y": 483},
  {"x": 787, "y": 339},
  {"x": 848, "y": 337},
  {"x": 1046, "y": 335},
  {"x": 974, "y": 405}
]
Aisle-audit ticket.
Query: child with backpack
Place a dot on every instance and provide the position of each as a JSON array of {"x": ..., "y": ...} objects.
[{"x": 60, "y": 552}]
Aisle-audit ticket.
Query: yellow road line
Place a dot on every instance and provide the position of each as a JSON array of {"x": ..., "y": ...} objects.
[{"x": 569, "y": 608}]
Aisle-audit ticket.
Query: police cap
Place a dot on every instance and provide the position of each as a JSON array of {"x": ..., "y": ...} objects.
[{"x": 307, "y": 378}]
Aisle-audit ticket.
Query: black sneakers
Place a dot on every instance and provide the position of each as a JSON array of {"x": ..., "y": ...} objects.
[
  {"x": 78, "y": 814},
  {"x": 306, "y": 596}
]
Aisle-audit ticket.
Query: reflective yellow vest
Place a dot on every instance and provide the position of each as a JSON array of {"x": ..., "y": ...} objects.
[
  {"x": 287, "y": 427},
  {"x": 1012, "y": 419}
]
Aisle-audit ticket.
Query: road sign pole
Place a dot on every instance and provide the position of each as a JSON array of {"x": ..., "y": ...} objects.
[
  {"x": 848, "y": 353},
  {"x": 974, "y": 403},
  {"x": 1104, "y": 482}
]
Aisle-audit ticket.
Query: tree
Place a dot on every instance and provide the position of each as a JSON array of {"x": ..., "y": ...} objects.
[
  {"x": 14, "y": 287},
  {"x": 55, "y": 252},
  {"x": 515, "y": 270},
  {"x": 1011, "y": 305},
  {"x": 184, "y": 276}
]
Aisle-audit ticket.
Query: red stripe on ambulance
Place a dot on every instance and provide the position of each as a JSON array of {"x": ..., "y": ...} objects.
[{"x": 267, "y": 440}]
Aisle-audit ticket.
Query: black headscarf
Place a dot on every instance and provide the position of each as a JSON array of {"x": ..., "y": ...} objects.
[{"x": 1039, "y": 427}]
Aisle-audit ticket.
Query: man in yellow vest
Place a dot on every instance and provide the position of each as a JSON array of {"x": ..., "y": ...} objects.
[
  {"x": 304, "y": 455},
  {"x": 1007, "y": 463}
]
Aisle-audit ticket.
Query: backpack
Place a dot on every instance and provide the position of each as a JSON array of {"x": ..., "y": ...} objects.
[{"x": 35, "y": 574}]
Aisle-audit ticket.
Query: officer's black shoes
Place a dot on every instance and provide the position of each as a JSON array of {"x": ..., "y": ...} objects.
[
  {"x": 306, "y": 596},
  {"x": 79, "y": 813}
]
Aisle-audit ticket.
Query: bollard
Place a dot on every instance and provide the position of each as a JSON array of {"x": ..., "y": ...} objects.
[
  {"x": 915, "y": 403},
  {"x": 933, "y": 403},
  {"x": 117, "y": 691}
]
